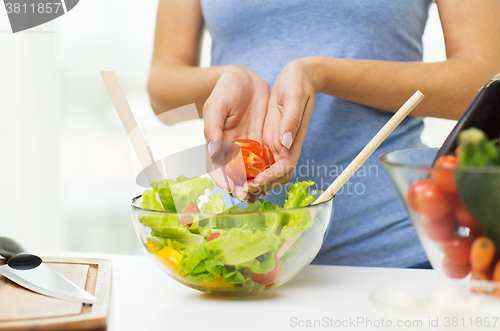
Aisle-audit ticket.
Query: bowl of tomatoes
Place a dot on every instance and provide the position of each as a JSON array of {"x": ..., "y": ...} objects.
[{"x": 459, "y": 245}]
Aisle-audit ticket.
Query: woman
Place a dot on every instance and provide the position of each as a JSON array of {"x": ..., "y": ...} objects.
[{"x": 353, "y": 63}]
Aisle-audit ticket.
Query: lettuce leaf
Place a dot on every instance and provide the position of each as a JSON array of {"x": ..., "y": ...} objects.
[
  {"x": 214, "y": 204},
  {"x": 238, "y": 246},
  {"x": 180, "y": 234},
  {"x": 176, "y": 195},
  {"x": 298, "y": 196}
]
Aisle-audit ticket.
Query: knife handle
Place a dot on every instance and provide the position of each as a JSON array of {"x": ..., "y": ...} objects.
[{"x": 10, "y": 248}]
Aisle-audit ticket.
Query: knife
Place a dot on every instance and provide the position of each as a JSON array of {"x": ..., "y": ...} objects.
[{"x": 29, "y": 271}]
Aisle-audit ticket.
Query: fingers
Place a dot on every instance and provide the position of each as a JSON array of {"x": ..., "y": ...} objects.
[
  {"x": 216, "y": 170},
  {"x": 292, "y": 109},
  {"x": 264, "y": 188},
  {"x": 214, "y": 116},
  {"x": 278, "y": 174}
]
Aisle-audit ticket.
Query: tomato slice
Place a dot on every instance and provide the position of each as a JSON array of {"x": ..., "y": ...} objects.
[
  {"x": 235, "y": 168},
  {"x": 249, "y": 144},
  {"x": 214, "y": 236},
  {"x": 270, "y": 276},
  {"x": 243, "y": 163},
  {"x": 265, "y": 154},
  {"x": 254, "y": 164},
  {"x": 190, "y": 209}
]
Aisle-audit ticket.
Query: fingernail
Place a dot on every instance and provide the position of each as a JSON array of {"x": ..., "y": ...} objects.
[
  {"x": 256, "y": 181},
  {"x": 211, "y": 148},
  {"x": 287, "y": 140}
]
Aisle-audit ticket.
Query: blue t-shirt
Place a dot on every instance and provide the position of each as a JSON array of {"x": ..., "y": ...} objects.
[{"x": 369, "y": 226}]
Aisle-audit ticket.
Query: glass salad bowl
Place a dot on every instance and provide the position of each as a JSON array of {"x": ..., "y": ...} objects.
[
  {"x": 459, "y": 244},
  {"x": 236, "y": 251}
]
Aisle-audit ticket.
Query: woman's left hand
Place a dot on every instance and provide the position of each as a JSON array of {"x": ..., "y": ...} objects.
[{"x": 290, "y": 107}]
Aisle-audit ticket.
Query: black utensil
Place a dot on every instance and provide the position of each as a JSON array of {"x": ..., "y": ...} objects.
[{"x": 483, "y": 114}]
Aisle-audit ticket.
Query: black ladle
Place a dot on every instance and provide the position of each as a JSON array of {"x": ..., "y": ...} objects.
[{"x": 483, "y": 114}]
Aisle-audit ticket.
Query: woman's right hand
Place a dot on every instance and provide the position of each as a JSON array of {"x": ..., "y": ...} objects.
[{"x": 236, "y": 109}]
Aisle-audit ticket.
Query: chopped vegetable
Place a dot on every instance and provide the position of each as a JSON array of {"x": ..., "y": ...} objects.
[
  {"x": 482, "y": 253},
  {"x": 222, "y": 246},
  {"x": 478, "y": 180}
]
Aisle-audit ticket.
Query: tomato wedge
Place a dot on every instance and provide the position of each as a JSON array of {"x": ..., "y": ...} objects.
[
  {"x": 247, "y": 161},
  {"x": 235, "y": 168},
  {"x": 190, "y": 209},
  {"x": 254, "y": 164},
  {"x": 249, "y": 144},
  {"x": 270, "y": 276},
  {"x": 265, "y": 154},
  {"x": 214, "y": 236}
]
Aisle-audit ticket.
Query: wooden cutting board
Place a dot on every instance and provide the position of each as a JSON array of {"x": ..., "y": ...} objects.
[{"x": 21, "y": 309}]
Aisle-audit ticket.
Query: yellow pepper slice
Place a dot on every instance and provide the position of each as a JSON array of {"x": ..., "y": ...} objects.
[{"x": 171, "y": 258}]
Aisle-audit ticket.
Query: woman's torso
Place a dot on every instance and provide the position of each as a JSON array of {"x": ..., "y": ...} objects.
[{"x": 369, "y": 224}]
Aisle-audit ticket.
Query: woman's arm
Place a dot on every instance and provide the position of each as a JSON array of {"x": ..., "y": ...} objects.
[
  {"x": 231, "y": 99},
  {"x": 472, "y": 37},
  {"x": 175, "y": 79}
]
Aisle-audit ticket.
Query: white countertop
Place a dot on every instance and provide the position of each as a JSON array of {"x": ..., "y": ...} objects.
[{"x": 145, "y": 298}]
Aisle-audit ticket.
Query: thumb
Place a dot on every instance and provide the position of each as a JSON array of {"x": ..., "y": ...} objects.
[
  {"x": 293, "y": 110},
  {"x": 214, "y": 119}
]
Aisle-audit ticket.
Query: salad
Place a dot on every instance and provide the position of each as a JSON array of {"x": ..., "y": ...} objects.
[{"x": 217, "y": 246}]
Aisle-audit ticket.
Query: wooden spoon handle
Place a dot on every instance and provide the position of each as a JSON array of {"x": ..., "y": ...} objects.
[
  {"x": 138, "y": 141},
  {"x": 365, "y": 153}
]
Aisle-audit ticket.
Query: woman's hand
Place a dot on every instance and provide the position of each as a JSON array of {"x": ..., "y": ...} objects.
[
  {"x": 235, "y": 109},
  {"x": 287, "y": 120}
]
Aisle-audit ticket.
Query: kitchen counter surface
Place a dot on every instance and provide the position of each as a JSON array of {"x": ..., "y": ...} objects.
[{"x": 145, "y": 298}]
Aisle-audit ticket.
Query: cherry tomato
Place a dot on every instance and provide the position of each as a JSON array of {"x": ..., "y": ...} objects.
[
  {"x": 455, "y": 270},
  {"x": 190, "y": 209},
  {"x": 444, "y": 176},
  {"x": 433, "y": 202},
  {"x": 457, "y": 250},
  {"x": 414, "y": 188},
  {"x": 439, "y": 229},
  {"x": 254, "y": 164},
  {"x": 249, "y": 144},
  {"x": 464, "y": 217},
  {"x": 270, "y": 276},
  {"x": 265, "y": 154},
  {"x": 214, "y": 236}
]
